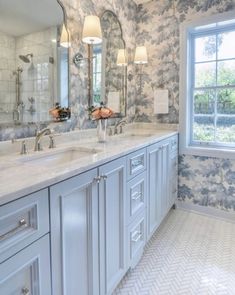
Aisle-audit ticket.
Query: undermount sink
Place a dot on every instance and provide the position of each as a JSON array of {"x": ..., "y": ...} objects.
[
  {"x": 136, "y": 135},
  {"x": 58, "y": 157}
]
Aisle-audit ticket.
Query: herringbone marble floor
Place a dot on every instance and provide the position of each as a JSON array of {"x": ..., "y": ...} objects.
[{"x": 189, "y": 254}]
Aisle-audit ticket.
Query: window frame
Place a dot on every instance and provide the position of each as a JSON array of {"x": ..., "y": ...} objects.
[{"x": 187, "y": 36}]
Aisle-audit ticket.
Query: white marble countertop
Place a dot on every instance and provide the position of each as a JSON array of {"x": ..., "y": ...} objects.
[{"x": 20, "y": 177}]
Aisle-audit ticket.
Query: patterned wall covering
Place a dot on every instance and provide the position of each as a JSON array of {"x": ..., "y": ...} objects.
[
  {"x": 204, "y": 181},
  {"x": 76, "y": 11},
  {"x": 207, "y": 181}
]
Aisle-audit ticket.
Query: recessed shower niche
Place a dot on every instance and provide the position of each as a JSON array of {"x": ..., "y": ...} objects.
[{"x": 33, "y": 61}]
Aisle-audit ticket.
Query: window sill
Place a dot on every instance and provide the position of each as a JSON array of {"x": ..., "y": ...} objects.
[{"x": 208, "y": 152}]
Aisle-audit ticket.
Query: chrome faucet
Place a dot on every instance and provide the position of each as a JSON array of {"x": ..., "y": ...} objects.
[
  {"x": 119, "y": 123},
  {"x": 45, "y": 131}
]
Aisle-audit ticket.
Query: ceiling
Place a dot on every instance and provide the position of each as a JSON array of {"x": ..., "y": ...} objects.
[{"x": 21, "y": 17}]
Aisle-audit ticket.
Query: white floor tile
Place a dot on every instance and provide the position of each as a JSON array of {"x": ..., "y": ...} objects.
[{"x": 189, "y": 254}]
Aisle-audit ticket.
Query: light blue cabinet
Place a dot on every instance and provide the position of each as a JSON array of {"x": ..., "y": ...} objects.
[
  {"x": 27, "y": 272},
  {"x": 23, "y": 222},
  {"x": 158, "y": 184},
  {"x": 112, "y": 193},
  {"x": 99, "y": 223},
  {"x": 74, "y": 235}
]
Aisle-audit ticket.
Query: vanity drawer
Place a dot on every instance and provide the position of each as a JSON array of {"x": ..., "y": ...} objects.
[
  {"x": 22, "y": 222},
  {"x": 27, "y": 272},
  {"x": 136, "y": 163},
  {"x": 136, "y": 194},
  {"x": 136, "y": 240}
]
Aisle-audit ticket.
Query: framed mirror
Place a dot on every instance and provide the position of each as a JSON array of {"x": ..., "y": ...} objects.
[
  {"x": 34, "y": 60},
  {"x": 108, "y": 80}
]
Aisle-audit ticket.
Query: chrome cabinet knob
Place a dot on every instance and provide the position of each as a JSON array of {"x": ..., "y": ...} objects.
[
  {"x": 97, "y": 179},
  {"x": 25, "y": 291}
]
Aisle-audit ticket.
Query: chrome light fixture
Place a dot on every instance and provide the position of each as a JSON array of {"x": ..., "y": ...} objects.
[{"x": 141, "y": 58}]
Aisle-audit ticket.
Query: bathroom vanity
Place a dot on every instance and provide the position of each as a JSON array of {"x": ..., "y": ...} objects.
[{"x": 79, "y": 216}]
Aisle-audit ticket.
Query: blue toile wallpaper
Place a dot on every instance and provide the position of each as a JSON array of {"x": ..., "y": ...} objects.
[
  {"x": 207, "y": 181},
  {"x": 202, "y": 180}
]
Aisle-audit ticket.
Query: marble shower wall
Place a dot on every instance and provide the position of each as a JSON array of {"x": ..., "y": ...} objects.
[{"x": 202, "y": 180}]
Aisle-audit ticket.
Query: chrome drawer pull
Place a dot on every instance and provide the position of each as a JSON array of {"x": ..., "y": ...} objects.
[
  {"x": 25, "y": 291},
  {"x": 21, "y": 225},
  {"x": 136, "y": 236},
  {"x": 136, "y": 163},
  {"x": 136, "y": 196}
]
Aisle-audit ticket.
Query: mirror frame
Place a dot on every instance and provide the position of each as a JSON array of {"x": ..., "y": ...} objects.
[
  {"x": 78, "y": 60},
  {"x": 119, "y": 115}
]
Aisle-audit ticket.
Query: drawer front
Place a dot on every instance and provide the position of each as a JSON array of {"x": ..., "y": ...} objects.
[
  {"x": 136, "y": 163},
  {"x": 136, "y": 240},
  {"x": 136, "y": 194},
  {"x": 22, "y": 222},
  {"x": 27, "y": 272},
  {"x": 174, "y": 143}
]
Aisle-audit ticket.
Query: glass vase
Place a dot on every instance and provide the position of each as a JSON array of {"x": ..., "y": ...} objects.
[{"x": 101, "y": 130}]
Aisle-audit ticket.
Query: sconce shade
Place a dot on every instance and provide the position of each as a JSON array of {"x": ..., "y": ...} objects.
[
  {"x": 65, "y": 37},
  {"x": 92, "y": 33},
  {"x": 121, "y": 57},
  {"x": 141, "y": 56}
]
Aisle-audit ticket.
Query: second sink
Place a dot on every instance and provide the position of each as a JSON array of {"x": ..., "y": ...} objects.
[{"x": 59, "y": 156}]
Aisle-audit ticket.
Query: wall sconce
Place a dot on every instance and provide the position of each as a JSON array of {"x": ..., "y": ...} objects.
[
  {"x": 91, "y": 34},
  {"x": 65, "y": 37},
  {"x": 141, "y": 58},
  {"x": 121, "y": 58}
]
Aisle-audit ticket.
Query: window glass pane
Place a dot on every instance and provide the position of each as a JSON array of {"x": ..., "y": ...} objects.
[
  {"x": 226, "y": 45},
  {"x": 225, "y": 130},
  {"x": 226, "y": 73},
  {"x": 203, "y": 128},
  {"x": 226, "y": 101},
  {"x": 205, "y": 74},
  {"x": 205, "y": 48},
  {"x": 204, "y": 102}
]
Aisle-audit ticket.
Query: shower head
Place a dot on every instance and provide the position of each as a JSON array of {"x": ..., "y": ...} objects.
[{"x": 26, "y": 58}]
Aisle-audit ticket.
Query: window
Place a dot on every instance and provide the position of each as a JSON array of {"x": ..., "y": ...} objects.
[{"x": 210, "y": 90}]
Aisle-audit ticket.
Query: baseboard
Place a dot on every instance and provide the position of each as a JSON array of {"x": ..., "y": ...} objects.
[{"x": 208, "y": 211}]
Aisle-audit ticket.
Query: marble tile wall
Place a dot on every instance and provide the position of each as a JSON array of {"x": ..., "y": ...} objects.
[
  {"x": 7, "y": 86},
  {"x": 38, "y": 87}
]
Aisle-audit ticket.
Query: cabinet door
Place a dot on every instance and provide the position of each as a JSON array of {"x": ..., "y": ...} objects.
[
  {"x": 27, "y": 272},
  {"x": 154, "y": 187},
  {"x": 165, "y": 181},
  {"x": 173, "y": 179},
  {"x": 74, "y": 235},
  {"x": 112, "y": 225}
]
